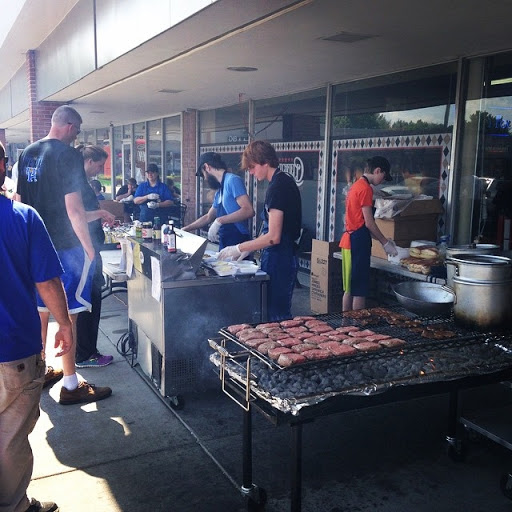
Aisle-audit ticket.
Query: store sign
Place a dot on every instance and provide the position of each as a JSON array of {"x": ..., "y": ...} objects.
[
  {"x": 293, "y": 166},
  {"x": 238, "y": 138}
]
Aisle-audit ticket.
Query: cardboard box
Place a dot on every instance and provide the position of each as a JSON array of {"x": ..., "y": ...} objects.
[
  {"x": 422, "y": 227},
  {"x": 326, "y": 285},
  {"x": 113, "y": 207},
  {"x": 417, "y": 221}
]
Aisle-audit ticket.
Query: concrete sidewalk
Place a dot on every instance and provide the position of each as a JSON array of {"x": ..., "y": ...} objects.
[{"x": 132, "y": 452}]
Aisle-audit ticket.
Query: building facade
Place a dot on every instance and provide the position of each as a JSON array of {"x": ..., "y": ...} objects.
[{"x": 152, "y": 92}]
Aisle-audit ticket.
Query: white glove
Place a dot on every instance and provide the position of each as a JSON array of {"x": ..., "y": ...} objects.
[
  {"x": 390, "y": 248},
  {"x": 213, "y": 232},
  {"x": 152, "y": 205},
  {"x": 128, "y": 199},
  {"x": 154, "y": 197},
  {"x": 233, "y": 253}
]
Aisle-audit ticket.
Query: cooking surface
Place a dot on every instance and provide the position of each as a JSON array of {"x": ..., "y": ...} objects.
[{"x": 420, "y": 360}]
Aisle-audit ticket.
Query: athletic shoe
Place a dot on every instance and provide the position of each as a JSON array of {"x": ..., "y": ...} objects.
[
  {"x": 45, "y": 506},
  {"x": 83, "y": 394},
  {"x": 51, "y": 376},
  {"x": 95, "y": 361}
]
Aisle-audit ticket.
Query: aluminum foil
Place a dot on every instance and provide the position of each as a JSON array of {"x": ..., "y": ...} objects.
[{"x": 289, "y": 390}]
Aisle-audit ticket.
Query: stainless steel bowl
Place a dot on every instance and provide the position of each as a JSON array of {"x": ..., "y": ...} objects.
[{"x": 424, "y": 299}]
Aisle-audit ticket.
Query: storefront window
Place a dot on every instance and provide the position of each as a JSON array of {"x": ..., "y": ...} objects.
[
  {"x": 407, "y": 118},
  {"x": 118, "y": 157},
  {"x": 172, "y": 151},
  {"x": 295, "y": 124},
  {"x": 155, "y": 143},
  {"x": 483, "y": 188},
  {"x": 139, "y": 149}
]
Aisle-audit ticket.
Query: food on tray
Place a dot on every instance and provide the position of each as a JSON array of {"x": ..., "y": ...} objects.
[
  {"x": 274, "y": 353},
  {"x": 347, "y": 329},
  {"x": 427, "y": 252},
  {"x": 233, "y": 329},
  {"x": 296, "y": 330},
  {"x": 278, "y": 335},
  {"x": 265, "y": 347},
  {"x": 391, "y": 342},
  {"x": 337, "y": 336},
  {"x": 303, "y": 347},
  {"x": 290, "y": 358},
  {"x": 268, "y": 325},
  {"x": 304, "y": 318},
  {"x": 251, "y": 336},
  {"x": 311, "y": 323},
  {"x": 255, "y": 342},
  {"x": 317, "y": 354},
  {"x": 289, "y": 342},
  {"x": 305, "y": 335},
  {"x": 378, "y": 337},
  {"x": 367, "y": 346},
  {"x": 353, "y": 341},
  {"x": 320, "y": 328},
  {"x": 437, "y": 334},
  {"x": 343, "y": 350},
  {"x": 361, "y": 334},
  {"x": 291, "y": 323}
]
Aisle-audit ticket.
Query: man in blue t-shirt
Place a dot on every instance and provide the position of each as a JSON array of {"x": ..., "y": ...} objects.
[
  {"x": 153, "y": 197},
  {"x": 29, "y": 263},
  {"x": 231, "y": 205}
]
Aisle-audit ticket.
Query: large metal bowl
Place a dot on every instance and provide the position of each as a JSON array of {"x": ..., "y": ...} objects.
[{"x": 424, "y": 299}]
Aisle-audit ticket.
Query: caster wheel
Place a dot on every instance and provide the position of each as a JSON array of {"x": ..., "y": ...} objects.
[
  {"x": 457, "y": 452},
  {"x": 506, "y": 485},
  {"x": 176, "y": 402}
]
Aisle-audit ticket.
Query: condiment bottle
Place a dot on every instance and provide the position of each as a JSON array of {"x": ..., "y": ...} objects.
[
  {"x": 157, "y": 231},
  {"x": 171, "y": 238},
  {"x": 147, "y": 231},
  {"x": 165, "y": 232}
]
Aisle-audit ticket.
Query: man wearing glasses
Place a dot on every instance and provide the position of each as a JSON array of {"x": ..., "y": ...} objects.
[{"x": 50, "y": 179}]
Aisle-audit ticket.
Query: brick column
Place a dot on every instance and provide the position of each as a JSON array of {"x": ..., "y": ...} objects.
[
  {"x": 189, "y": 163},
  {"x": 2, "y": 138},
  {"x": 40, "y": 112}
]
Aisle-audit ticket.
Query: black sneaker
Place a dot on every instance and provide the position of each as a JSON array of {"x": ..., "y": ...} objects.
[{"x": 45, "y": 506}]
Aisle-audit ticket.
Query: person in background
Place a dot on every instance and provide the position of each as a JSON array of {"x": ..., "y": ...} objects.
[
  {"x": 282, "y": 219},
  {"x": 29, "y": 263},
  {"x": 51, "y": 178},
  {"x": 231, "y": 205},
  {"x": 98, "y": 189},
  {"x": 153, "y": 197},
  {"x": 125, "y": 195},
  {"x": 87, "y": 323},
  {"x": 360, "y": 227},
  {"x": 175, "y": 191}
]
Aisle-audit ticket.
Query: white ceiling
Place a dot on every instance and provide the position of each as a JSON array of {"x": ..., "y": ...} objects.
[{"x": 283, "y": 39}]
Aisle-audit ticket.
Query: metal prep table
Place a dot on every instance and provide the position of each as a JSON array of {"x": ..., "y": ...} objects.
[
  {"x": 438, "y": 367},
  {"x": 169, "y": 333}
]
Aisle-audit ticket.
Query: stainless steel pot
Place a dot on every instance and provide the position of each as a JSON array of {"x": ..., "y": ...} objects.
[
  {"x": 478, "y": 267},
  {"x": 454, "y": 250},
  {"x": 482, "y": 304}
]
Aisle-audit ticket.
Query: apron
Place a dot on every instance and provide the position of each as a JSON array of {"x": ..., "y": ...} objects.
[{"x": 281, "y": 263}]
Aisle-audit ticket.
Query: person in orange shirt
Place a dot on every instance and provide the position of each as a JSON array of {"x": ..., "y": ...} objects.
[{"x": 360, "y": 228}]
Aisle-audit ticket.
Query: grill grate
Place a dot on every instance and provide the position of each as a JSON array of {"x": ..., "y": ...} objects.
[{"x": 411, "y": 335}]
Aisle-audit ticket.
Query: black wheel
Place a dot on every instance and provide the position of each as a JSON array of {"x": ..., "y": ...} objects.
[
  {"x": 506, "y": 485},
  {"x": 176, "y": 402},
  {"x": 457, "y": 451},
  {"x": 257, "y": 501}
]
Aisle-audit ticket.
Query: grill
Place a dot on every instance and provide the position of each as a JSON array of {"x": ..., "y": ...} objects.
[{"x": 302, "y": 392}]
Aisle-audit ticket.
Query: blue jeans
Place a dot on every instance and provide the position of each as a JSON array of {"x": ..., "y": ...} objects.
[{"x": 21, "y": 383}]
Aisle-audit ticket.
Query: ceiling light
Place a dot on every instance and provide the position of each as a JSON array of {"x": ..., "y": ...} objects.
[
  {"x": 96, "y": 112},
  {"x": 241, "y": 69},
  {"x": 347, "y": 37},
  {"x": 170, "y": 91},
  {"x": 501, "y": 81}
]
